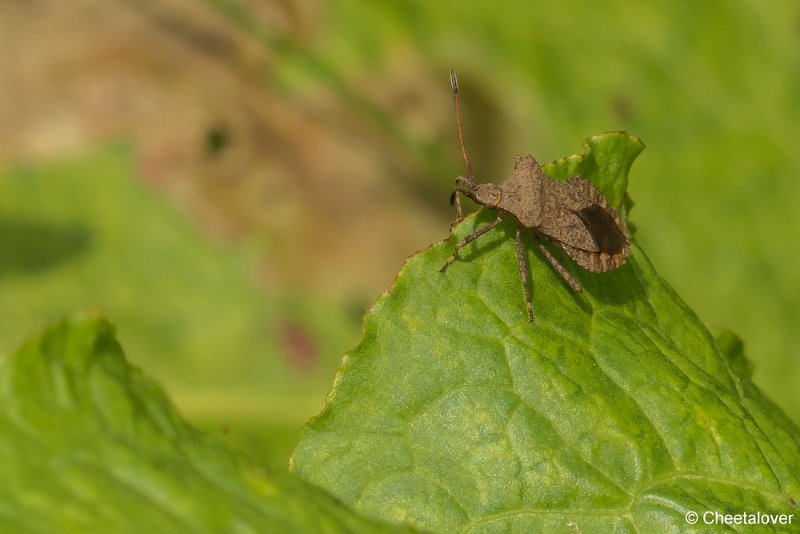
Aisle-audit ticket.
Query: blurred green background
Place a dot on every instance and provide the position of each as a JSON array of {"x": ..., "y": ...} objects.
[{"x": 233, "y": 182}]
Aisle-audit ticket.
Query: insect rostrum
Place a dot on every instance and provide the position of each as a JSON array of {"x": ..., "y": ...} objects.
[{"x": 574, "y": 215}]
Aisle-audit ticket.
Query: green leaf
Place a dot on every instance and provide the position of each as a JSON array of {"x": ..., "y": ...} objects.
[
  {"x": 85, "y": 232},
  {"x": 88, "y": 444},
  {"x": 614, "y": 411}
]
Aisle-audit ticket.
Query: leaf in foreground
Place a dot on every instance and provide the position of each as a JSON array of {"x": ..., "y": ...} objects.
[
  {"x": 615, "y": 411},
  {"x": 88, "y": 444}
]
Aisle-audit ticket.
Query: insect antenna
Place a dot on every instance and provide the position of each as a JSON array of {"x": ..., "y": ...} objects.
[
  {"x": 467, "y": 163},
  {"x": 455, "y": 198}
]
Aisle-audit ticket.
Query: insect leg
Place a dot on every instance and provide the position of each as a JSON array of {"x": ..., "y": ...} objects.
[
  {"x": 471, "y": 237},
  {"x": 568, "y": 278},
  {"x": 523, "y": 274},
  {"x": 462, "y": 183},
  {"x": 457, "y": 199}
]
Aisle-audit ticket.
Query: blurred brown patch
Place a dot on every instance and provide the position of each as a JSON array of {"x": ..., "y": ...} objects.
[
  {"x": 299, "y": 346},
  {"x": 311, "y": 165}
]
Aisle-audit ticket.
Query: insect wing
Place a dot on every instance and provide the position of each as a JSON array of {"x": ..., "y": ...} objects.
[
  {"x": 604, "y": 227},
  {"x": 587, "y": 228},
  {"x": 597, "y": 262}
]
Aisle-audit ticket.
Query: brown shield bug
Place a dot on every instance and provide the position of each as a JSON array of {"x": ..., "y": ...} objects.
[{"x": 572, "y": 214}]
